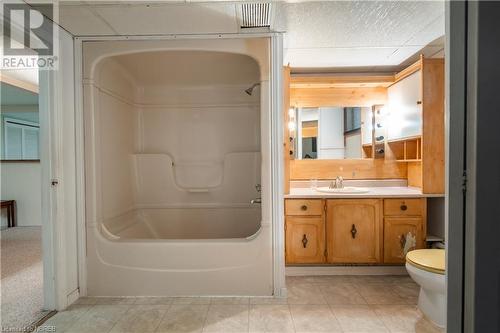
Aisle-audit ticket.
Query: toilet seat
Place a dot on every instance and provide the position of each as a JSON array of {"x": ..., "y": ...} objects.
[{"x": 430, "y": 260}]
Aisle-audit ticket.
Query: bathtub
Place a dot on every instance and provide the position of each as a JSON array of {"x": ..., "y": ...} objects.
[
  {"x": 180, "y": 252},
  {"x": 171, "y": 171},
  {"x": 184, "y": 223}
]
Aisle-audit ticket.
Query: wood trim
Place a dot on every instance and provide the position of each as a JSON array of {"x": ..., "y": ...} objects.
[
  {"x": 347, "y": 168},
  {"x": 19, "y": 83},
  {"x": 341, "y": 81},
  {"x": 286, "y": 132},
  {"x": 409, "y": 70},
  {"x": 319, "y": 97},
  {"x": 433, "y": 118}
]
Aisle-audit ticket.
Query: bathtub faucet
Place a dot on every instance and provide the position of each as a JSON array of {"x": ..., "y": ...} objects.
[{"x": 256, "y": 201}]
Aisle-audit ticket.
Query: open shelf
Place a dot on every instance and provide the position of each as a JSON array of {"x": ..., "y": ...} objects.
[
  {"x": 406, "y": 149},
  {"x": 367, "y": 150}
]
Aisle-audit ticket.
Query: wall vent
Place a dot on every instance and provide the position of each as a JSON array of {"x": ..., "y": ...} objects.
[{"x": 255, "y": 15}]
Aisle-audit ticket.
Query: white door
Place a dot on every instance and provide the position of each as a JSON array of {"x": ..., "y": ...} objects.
[
  {"x": 57, "y": 146},
  {"x": 331, "y": 133}
]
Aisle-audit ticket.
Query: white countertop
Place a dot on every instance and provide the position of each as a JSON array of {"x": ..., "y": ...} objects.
[{"x": 374, "y": 192}]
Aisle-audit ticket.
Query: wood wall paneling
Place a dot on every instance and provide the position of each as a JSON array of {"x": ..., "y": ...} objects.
[
  {"x": 415, "y": 174},
  {"x": 356, "y": 96},
  {"x": 341, "y": 81},
  {"x": 433, "y": 145},
  {"x": 348, "y": 168}
]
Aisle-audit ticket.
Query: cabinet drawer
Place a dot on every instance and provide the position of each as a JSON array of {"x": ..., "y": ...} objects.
[
  {"x": 305, "y": 240},
  {"x": 304, "y": 207},
  {"x": 404, "y": 207}
]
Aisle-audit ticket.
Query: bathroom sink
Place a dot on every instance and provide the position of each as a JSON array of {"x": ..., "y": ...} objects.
[{"x": 345, "y": 190}]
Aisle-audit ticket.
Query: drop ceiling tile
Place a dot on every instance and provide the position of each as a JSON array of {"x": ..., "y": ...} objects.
[
  {"x": 354, "y": 23},
  {"x": 79, "y": 20},
  {"x": 170, "y": 18},
  {"x": 339, "y": 57},
  {"x": 429, "y": 33}
]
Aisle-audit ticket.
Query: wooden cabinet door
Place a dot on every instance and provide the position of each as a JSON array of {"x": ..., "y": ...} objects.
[
  {"x": 305, "y": 240},
  {"x": 354, "y": 230},
  {"x": 401, "y": 234}
]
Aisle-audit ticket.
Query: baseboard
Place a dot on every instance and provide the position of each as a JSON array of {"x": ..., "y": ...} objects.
[
  {"x": 345, "y": 270},
  {"x": 73, "y": 296}
]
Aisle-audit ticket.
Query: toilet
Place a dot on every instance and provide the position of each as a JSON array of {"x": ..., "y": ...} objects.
[{"x": 427, "y": 268}]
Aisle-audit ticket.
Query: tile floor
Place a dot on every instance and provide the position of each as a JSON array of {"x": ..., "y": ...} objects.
[{"x": 314, "y": 304}]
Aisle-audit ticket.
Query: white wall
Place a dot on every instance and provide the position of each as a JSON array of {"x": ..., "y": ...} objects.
[
  {"x": 331, "y": 133},
  {"x": 21, "y": 181},
  {"x": 353, "y": 146}
]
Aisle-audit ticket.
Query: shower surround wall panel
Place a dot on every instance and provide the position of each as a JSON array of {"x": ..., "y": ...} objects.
[{"x": 175, "y": 150}]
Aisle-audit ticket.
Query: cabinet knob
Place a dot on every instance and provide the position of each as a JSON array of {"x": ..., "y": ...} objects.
[
  {"x": 419, "y": 102},
  {"x": 403, "y": 207},
  {"x": 304, "y": 241},
  {"x": 353, "y": 231},
  {"x": 303, "y": 207}
]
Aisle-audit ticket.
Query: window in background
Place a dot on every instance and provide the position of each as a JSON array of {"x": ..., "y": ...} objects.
[{"x": 21, "y": 140}]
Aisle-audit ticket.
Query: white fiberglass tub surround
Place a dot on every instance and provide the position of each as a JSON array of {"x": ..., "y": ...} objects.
[{"x": 176, "y": 151}]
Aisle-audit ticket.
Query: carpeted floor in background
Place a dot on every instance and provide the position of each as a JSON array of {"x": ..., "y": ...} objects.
[{"x": 22, "y": 276}]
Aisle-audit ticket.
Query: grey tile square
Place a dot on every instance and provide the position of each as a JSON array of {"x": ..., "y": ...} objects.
[
  {"x": 314, "y": 318},
  {"x": 99, "y": 319},
  {"x": 404, "y": 319},
  {"x": 227, "y": 318},
  {"x": 379, "y": 294},
  {"x": 184, "y": 318},
  {"x": 306, "y": 293},
  {"x": 342, "y": 294},
  {"x": 140, "y": 318},
  {"x": 358, "y": 318},
  {"x": 270, "y": 318}
]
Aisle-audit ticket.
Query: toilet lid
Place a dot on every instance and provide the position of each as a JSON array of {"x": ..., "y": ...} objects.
[{"x": 431, "y": 260}]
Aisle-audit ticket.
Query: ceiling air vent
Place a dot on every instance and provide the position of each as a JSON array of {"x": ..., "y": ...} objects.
[{"x": 255, "y": 15}]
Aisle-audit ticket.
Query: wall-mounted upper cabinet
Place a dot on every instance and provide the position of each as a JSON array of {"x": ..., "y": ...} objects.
[{"x": 405, "y": 107}]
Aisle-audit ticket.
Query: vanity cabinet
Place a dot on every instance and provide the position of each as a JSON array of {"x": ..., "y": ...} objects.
[
  {"x": 404, "y": 228},
  {"x": 304, "y": 231},
  {"x": 354, "y": 230}
]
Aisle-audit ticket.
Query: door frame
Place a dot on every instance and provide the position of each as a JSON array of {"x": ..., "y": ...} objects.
[
  {"x": 455, "y": 164},
  {"x": 276, "y": 148}
]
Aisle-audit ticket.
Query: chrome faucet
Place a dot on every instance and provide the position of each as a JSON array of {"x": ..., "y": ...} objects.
[
  {"x": 258, "y": 187},
  {"x": 338, "y": 183}
]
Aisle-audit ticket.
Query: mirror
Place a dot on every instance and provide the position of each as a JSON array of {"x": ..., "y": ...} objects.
[{"x": 336, "y": 132}]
